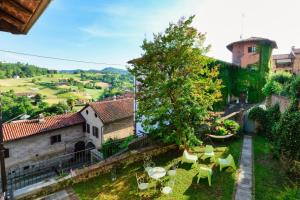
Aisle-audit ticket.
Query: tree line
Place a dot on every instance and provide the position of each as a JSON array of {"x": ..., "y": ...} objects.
[{"x": 9, "y": 70}]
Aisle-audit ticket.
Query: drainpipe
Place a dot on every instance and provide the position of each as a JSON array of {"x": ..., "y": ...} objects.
[{"x": 2, "y": 159}]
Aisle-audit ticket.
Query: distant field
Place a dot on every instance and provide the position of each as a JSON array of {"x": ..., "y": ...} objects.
[{"x": 51, "y": 94}]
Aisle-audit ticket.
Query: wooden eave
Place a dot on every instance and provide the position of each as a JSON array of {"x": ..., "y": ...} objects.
[{"x": 18, "y": 16}]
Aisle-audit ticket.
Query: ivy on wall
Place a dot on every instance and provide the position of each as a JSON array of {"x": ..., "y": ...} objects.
[{"x": 237, "y": 80}]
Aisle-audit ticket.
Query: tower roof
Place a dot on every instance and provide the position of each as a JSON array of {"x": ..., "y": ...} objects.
[{"x": 253, "y": 39}]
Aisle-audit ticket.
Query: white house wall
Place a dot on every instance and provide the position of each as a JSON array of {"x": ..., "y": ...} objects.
[{"x": 92, "y": 120}]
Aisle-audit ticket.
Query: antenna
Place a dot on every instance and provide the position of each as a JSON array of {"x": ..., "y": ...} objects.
[{"x": 242, "y": 25}]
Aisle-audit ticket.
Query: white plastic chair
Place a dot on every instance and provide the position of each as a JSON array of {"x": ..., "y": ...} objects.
[
  {"x": 148, "y": 165},
  {"x": 172, "y": 171},
  {"x": 188, "y": 158},
  {"x": 168, "y": 188}
]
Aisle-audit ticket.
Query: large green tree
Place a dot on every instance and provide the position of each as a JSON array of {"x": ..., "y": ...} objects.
[{"x": 176, "y": 85}]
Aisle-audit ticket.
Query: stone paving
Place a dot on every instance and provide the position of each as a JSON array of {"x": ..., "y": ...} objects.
[{"x": 244, "y": 182}]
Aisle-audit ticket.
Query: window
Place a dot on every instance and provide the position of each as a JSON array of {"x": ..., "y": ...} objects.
[
  {"x": 84, "y": 127},
  {"x": 26, "y": 167},
  {"x": 6, "y": 153},
  {"x": 55, "y": 138},
  {"x": 95, "y": 132},
  {"x": 87, "y": 112},
  {"x": 96, "y": 115},
  {"x": 88, "y": 129},
  {"x": 252, "y": 49}
]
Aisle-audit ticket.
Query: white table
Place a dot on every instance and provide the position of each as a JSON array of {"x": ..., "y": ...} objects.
[{"x": 157, "y": 172}]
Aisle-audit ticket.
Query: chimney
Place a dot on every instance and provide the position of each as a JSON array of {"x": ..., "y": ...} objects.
[{"x": 41, "y": 118}]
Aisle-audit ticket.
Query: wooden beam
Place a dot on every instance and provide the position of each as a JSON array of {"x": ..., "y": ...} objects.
[
  {"x": 20, "y": 7},
  {"x": 11, "y": 19}
]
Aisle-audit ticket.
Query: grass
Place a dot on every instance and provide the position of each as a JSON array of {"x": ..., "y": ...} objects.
[
  {"x": 270, "y": 179},
  {"x": 25, "y": 84},
  {"x": 186, "y": 187}
]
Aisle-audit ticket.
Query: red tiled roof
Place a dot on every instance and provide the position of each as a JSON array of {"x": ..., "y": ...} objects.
[
  {"x": 24, "y": 128},
  {"x": 109, "y": 111},
  {"x": 253, "y": 39}
]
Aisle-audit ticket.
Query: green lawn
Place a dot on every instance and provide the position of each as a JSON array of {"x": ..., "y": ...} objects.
[
  {"x": 270, "y": 179},
  {"x": 186, "y": 188}
]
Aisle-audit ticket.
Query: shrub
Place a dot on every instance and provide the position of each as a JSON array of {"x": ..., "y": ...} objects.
[
  {"x": 257, "y": 114},
  {"x": 294, "y": 89},
  {"x": 272, "y": 87},
  {"x": 290, "y": 194},
  {"x": 282, "y": 77},
  {"x": 224, "y": 127},
  {"x": 287, "y": 134},
  {"x": 232, "y": 126}
]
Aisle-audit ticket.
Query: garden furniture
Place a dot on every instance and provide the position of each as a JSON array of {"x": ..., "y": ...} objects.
[
  {"x": 172, "y": 170},
  {"x": 188, "y": 158},
  {"x": 205, "y": 172},
  {"x": 168, "y": 187},
  {"x": 227, "y": 162},
  {"x": 157, "y": 172},
  {"x": 208, "y": 152},
  {"x": 148, "y": 165},
  {"x": 142, "y": 184}
]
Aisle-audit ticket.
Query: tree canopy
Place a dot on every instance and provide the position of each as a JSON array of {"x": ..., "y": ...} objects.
[{"x": 176, "y": 85}]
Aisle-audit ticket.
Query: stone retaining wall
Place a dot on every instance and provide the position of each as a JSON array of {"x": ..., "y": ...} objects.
[{"x": 96, "y": 170}]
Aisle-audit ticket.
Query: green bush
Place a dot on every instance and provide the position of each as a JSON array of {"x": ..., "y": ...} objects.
[
  {"x": 290, "y": 194},
  {"x": 232, "y": 126},
  {"x": 294, "y": 89},
  {"x": 113, "y": 146},
  {"x": 224, "y": 127},
  {"x": 287, "y": 134},
  {"x": 282, "y": 77},
  {"x": 257, "y": 114},
  {"x": 272, "y": 87}
]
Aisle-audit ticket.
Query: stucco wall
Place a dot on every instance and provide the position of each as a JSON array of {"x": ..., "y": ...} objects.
[
  {"x": 27, "y": 150},
  {"x": 93, "y": 121},
  {"x": 119, "y": 129},
  {"x": 240, "y": 55}
]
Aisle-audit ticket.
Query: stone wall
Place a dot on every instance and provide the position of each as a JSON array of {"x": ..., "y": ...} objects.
[
  {"x": 119, "y": 129},
  {"x": 31, "y": 149},
  {"x": 281, "y": 100},
  {"x": 105, "y": 166}
]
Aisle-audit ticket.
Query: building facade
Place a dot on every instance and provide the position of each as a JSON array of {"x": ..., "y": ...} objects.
[
  {"x": 287, "y": 62},
  {"x": 29, "y": 141},
  {"x": 245, "y": 52}
]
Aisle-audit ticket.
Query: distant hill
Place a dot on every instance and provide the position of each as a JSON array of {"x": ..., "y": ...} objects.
[
  {"x": 114, "y": 70},
  {"x": 111, "y": 70}
]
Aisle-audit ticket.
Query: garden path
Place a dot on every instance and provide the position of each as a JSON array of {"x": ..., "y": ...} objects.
[{"x": 245, "y": 180}]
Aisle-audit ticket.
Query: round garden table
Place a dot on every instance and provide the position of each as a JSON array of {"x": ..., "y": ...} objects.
[{"x": 157, "y": 172}]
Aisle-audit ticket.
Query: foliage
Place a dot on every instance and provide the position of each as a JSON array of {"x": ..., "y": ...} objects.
[
  {"x": 14, "y": 106},
  {"x": 270, "y": 178},
  {"x": 257, "y": 114},
  {"x": 113, "y": 146},
  {"x": 266, "y": 119},
  {"x": 224, "y": 127},
  {"x": 290, "y": 193},
  {"x": 287, "y": 133},
  {"x": 176, "y": 85},
  {"x": 294, "y": 89},
  {"x": 250, "y": 81},
  {"x": 71, "y": 103},
  {"x": 272, "y": 87},
  {"x": 8, "y": 70}
]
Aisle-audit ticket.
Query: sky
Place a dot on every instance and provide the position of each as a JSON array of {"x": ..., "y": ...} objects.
[{"x": 112, "y": 32}]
